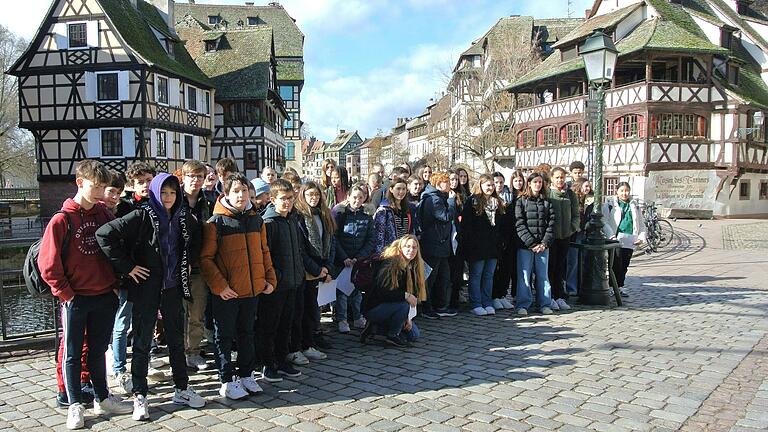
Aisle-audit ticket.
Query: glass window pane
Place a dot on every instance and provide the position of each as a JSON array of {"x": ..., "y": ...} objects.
[
  {"x": 106, "y": 87},
  {"x": 77, "y": 35}
]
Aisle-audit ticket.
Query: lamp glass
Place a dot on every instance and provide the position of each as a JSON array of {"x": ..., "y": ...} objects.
[{"x": 594, "y": 63}]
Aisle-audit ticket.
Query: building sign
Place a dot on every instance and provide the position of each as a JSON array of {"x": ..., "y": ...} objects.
[{"x": 685, "y": 189}]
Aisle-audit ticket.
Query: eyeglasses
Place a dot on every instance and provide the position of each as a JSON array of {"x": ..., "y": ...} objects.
[{"x": 194, "y": 177}]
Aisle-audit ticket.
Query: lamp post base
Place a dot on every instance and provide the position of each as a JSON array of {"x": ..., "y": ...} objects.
[{"x": 594, "y": 287}]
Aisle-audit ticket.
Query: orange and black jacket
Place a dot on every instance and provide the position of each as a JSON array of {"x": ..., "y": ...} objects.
[{"x": 235, "y": 252}]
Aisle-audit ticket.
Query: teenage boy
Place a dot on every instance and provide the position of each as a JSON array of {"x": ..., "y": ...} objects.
[
  {"x": 576, "y": 168},
  {"x": 224, "y": 167},
  {"x": 268, "y": 174},
  {"x": 139, "y": 175},
  {"x": 260, "y": 198},
  {"x": 275, "y": 315},
  {"x": 375, "y": 191},
  {"x": 565, "y": 206},
  {"x": 83, "y": 281},
  {"x": 193, "y": 177},
  {"x": 237, "y": 266},
  {"x": 153, "y": 245}
]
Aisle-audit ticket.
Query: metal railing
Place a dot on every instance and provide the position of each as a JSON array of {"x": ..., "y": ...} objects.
[
  {"x": 23, "y": 315},
  {"x": 23, "y": 227},
  {"x": 19, "y": 194}
]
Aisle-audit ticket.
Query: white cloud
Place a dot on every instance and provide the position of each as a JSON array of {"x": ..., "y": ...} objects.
[
  {"x": 373, "y": 100},
  {"x": 23, "y": 18}
]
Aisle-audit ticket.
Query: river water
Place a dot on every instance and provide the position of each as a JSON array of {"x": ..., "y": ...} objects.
[{"x": 22, "y": 312}]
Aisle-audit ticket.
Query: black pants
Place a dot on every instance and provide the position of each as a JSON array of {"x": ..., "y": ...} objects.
[
  {"x": 144, "y": 317},
  {"x": 310, "y": 320},
  {"x": 274, "y": 325},
  {"x": 91, "y": 318},
  {"x": 506, "y": 272},
  {"x": 438, "y": 283},
  {"x": 558, "y": 267},
  {"x": 233, "y": 319},
  {"x": 456, "y": 264},
  {"x": 621, "y": 261}
]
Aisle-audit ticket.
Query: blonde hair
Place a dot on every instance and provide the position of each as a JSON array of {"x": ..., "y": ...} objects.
[{"x": 414, "y": 280}]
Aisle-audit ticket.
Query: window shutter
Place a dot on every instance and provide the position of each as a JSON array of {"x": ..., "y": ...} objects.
[
  {"x": 195, "y": 147},
  {"x": 90, "y": 86},
  {"x": 540, "y": 137},
  {"x": 94, "y": 143},
  {"x": 201, "y": 101},
  {"x": 156, "y": 91},
  {"x": 173, "y": 92},
  {"x": 92, "y": 33},
  {"x": 641, "y": 126},
  {"x": 564, "y": 135},
  {"x": 60, "y": 35},
  {"x": 520, "y": 140},
  {"x": 129, "y": 142},
  {"x": 170, "y": 148},
  {"x": 123, "y": 85},
  {"x": 654, "y": 125},
  {"x": 153, "y": 142},
  {"x": 701, "y": 126},
  {"x": 617, "y": 129}
]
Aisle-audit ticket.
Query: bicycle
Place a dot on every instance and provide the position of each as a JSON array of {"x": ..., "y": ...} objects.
[{"x": 660, "y": 231}]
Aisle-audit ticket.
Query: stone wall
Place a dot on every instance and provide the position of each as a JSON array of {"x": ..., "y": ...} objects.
[{"x": 53, "y": 194}]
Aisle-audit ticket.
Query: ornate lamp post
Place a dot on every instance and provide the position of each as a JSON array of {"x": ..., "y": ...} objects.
[{"x": 599, "y": 54}]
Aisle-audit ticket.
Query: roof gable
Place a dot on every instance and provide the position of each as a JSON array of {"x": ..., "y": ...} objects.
[{"x": 606, "y": 22}]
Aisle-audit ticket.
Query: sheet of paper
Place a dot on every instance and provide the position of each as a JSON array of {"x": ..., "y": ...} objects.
[
  {"x": 627, "y": 240},
  {"x": 344, "y": 282},
  {"x": 326, "y": 293},
  {"x": 427, "y": 270},
  {"x": 412, "y": 313}
]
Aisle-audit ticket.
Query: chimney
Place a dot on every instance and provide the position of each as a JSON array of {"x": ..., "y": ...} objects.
[
  {"x": 342, "y": 131},
  {"x": 165, "y": 7},
  {"x": 249, "y": 3},
  {"x": 587, "y": 12}
]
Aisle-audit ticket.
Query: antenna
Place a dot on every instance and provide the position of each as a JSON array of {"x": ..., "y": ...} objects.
[{"x": 570, "y": 8}]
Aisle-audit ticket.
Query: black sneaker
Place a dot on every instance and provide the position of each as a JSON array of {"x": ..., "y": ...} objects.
[
  {"x": 446, "y": 312},
  {"x": 430, "y": 315},
  {"x": 288, "y": 370},
  {"x": 396, "y": 341},
  {"x": 366, "y": 332},
  {"x": 270, "y": 374}
]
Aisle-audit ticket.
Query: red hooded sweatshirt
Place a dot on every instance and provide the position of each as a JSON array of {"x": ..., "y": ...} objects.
[{"x": 85, "y": 270}]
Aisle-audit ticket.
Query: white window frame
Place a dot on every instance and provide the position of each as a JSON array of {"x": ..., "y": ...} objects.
[
  {"x": 87, "y": 45},
  {"x": 94, "y": 149},
  {"x": 157, "y": 90}
]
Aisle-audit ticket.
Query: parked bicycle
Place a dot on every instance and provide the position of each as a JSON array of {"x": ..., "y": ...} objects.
[{"x": 659, "y": 230}]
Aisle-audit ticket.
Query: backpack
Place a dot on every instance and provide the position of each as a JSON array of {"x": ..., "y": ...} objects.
[
  {"x": 35, "y": 283},
  {"x": 364, "y": 273}
]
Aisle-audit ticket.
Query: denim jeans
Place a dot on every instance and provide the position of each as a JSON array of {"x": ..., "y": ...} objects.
[
  {"x": 572, "y": 274},
  {"x": 342, "y": 300},
  {"x": 413, "y": 334},
  {"x": 390, "y": 317},
  {"x": 529, "y": 264},
  {"x": 120, "y": 332},
  {"x": 481, "y": 282}
]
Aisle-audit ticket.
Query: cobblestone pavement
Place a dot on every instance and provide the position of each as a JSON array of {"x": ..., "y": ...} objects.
[
  {"x": 746, "y": 236},
  {"x": 687, "y": 352}
]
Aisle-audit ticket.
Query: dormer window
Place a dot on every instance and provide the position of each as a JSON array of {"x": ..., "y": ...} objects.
[
  {"x": 252, "y": 21},
  {"x": 210, "y": 46},
  {"x": 726, "y": 38},
  {"x": 214, "y": 19},
  {"x": 733, "y": 74}
]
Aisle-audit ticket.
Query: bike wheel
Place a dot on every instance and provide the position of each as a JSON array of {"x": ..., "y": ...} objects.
[{"x": 664, "y": 233}]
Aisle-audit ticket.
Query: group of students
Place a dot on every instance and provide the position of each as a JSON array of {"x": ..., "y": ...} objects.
[{"x": 204, "y": 253}]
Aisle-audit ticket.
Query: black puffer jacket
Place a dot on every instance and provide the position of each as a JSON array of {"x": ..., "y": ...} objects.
[
  {"x": 534, "y": 221},
  {"x": 286, "y": 245},
  {"x": 478, "y": 239}
]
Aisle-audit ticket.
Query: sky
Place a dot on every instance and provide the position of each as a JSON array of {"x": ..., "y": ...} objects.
[{"x": 368, "y": 62}]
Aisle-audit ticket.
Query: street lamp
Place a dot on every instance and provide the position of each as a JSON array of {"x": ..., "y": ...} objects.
[{"x": 599, "y": 54}]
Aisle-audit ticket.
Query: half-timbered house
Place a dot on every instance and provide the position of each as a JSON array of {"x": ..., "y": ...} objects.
[
  {"x": 344, "y": 143},
  {"x": 249, "y": 114},
  {"x": 288, "y": 55},
  {"x": 680, "y": 112},
  {"x": 110, "y": 79}
]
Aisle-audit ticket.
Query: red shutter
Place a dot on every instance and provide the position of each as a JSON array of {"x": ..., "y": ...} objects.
[
  {"x": 540, "y": 137},
  {"x": 617, "y": 128},
  {"x": 641, "y": 126},
  {"x": 519, "y": 140},
  {"x": 701, "y": 126},
  {"x": 654, "y": 125},
  {"x": 564, "y": 135}
]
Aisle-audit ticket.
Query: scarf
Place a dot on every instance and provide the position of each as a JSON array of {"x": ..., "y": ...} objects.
[
  {"x": 490, "y": 210},
  {"x": 625, "y": 226},
  {"x": 321, "y": 244}
]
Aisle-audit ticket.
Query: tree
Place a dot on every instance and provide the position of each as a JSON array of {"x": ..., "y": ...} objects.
[
  {"x": 483, "y": 128},
  {"x": 17, "y": 148}
]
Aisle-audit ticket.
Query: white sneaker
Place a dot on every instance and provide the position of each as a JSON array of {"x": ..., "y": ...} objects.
[
  {"x": 522, "y": 311},
  {"x": 479, "y": 311},
  {"x": 562, "y": 305},
  {"x": 497, "y": 304},
  {"x": 546, "y": 311},
  {"x": 623, "y": 292},
  {"x": 490, "y": 310},
  {"x": 140, "y": 408},
  {"x": 313, "y": 354},
  {"x": 249, "y": 384},
  {"x": 360, "y": 323},
  {"x": 125, "y": 382},
  {"x": 506, "y": 303},
  {"x": 553, "y": 305},
  {"x": 344, "y": 327},
  {"x": 76, "y": 416},
  {"x": 188, "y": 397},
  {"x": 233, "y": 390},
  {"x": 111, "y": 405},
  {"x": 297, "y": 358},
  {"x": 194, "y": 361}
]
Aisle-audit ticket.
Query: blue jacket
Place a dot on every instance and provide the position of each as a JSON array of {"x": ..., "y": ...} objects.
[
  {"x": 354, "y": 234},
  {"x": 436, "y": 214}
]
